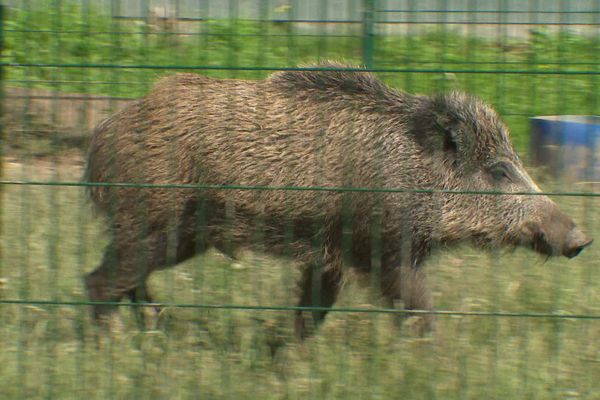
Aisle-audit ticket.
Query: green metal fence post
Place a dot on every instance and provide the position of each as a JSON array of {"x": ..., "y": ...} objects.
[
  {"x": 2, "y": 133},
  {"x": 2, "y": 141},
  {"x": 368, "y": 45}
]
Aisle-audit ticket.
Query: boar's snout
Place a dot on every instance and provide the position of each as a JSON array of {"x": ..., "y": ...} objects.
[
  {"x": 557, "y": 235},
  {"x": 576, "y": 241}
]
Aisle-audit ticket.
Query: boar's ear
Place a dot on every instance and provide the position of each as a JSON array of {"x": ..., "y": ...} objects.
[
  {"x": 447, "y": 132},
  {"x": 447, "y": 125},
  {"x": 437, "y": 127}
]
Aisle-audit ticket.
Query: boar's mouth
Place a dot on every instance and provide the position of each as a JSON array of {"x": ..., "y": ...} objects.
[{"x": 572, "y": 244}]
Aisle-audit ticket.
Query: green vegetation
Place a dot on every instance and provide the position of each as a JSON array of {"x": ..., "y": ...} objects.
[
  {"x": 50, "y": 238},
  {"x": 93, "y": 39}
]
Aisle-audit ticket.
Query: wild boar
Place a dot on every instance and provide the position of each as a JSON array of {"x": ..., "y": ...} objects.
[{"x": 302, "y": 136}]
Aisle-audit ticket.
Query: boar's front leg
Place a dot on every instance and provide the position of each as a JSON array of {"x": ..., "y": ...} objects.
[
  {"x": 408, "y": 284},
  {"x": 319, "y": 287},
  {"x": 138, "y": 295}
]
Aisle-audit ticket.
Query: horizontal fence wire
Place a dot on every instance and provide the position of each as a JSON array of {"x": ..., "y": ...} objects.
[
  {"x": 181, "y": 34},
  {"x": 495, "y": 11},
  {"x": 378, "y": 70},
  {"x": 398, "y": 311},
  {"x": 298, "y": 188},
  {"x": 392, "y": 22},
  {"x": 267, "y": 68}
]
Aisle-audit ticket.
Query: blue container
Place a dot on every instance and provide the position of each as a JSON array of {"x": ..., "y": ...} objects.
[{"x": 569, "y": 145}]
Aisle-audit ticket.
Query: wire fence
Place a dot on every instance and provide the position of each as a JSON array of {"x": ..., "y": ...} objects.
[{"x": 331, "y": 197}]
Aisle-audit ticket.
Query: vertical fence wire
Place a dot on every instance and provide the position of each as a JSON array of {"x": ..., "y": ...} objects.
[{"x": 589, "y": 276}]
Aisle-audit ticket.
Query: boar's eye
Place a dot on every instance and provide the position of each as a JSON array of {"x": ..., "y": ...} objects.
[{"x": 500, "y": 171}]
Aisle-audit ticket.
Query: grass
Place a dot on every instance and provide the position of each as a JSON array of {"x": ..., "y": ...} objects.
[
  {"x": 50, "y": 238},
  {"x": 90, "y": 38}
]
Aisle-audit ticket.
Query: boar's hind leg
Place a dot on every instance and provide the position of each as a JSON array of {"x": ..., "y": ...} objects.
[
  {"x": 126, "y": 266},
  {"x": 123, "y": 272},
  {"x": 319, "y": 288}
]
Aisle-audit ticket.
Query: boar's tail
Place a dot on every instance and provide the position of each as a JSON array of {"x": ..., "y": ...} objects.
[
  {"x": 98, "y": 194},
  {"x": 95, "y": 193},
  {"x": 95, "y": 168}
]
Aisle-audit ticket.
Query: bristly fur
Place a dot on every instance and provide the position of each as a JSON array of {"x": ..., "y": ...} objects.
[
  {"x": 329, "y": 79},
  {"x": 330, "y": 125}
]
